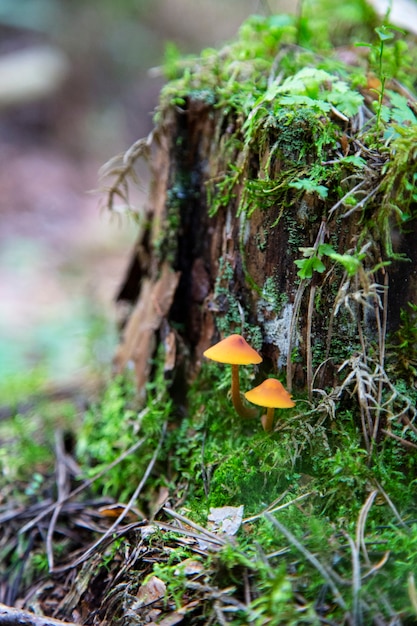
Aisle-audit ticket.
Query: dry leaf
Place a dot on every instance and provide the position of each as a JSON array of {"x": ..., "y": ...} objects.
[
  {"x": 115, "y": 510},
  {"x": 152, "y": 591},
  {"x": 226, "y": 519},
  {"x": 170, "y": 620},
  {"x": 189, "y": 567}
]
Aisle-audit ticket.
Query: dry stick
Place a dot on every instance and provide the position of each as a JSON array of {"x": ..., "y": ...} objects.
[
  {"x": 351, "y": 192},
  {"x": 404, "y": 442},
  {"x": 407, "y": 420},
  {"x": 391, "y": 504},
  {"x": 357, "y": 617},
  {"x": 377, "y": 566},
  {"x": 412, "y": 591},
  {"x": 360, "y": 529},
  {"x": 120, "y": 171},
  {"x": 309, "y": 356},
  {"x": 80, "y": 488},
  {"x": 324, "y": 571},
  {"x": 382, "y": 329},
  {"x": 201, "y": 529},
  {"x": 293, "y": 327},
  {"x": 362, "y": 202},
  {"x": 363, "y": 405},
  {"x": 188, "y": 533},
  {"x": 63, "y": 489},
  {"x": 10, "y": 616},
  {"x": 123, "y": 514},
  {"x": 277, "y": 508}
]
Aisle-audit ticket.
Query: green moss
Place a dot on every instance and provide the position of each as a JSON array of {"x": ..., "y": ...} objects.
[{"x": 211, "y": 457}]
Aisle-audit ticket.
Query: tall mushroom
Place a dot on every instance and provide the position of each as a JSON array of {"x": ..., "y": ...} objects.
[
  {"x": 235, "y": 351},
  {"x": 272, "y": 395}
]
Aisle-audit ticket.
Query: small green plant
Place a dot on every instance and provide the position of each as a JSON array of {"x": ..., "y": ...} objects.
[
  {"x": 312, "y": 261},
  {"x": 386, "y": 63}
]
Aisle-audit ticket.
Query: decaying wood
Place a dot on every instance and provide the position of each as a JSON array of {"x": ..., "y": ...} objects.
[
  {"x": 138, "y": 343},
  {"x": 213, "y": 269},
  {"x": 15, "y": 617}
]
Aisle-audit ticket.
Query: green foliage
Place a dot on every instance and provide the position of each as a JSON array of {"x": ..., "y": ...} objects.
[
  {"x": 27, "y": 444},
  {"x": 114, "y": 425},
  {"x": 308, "y": 185},
  {"x": 211, "y": 457},
  {"x": 312, "y": 261},
  {"x": 399, "y": 183},
  {"x": 15, "y": 387},
  {"x": 317, "y": 89}
]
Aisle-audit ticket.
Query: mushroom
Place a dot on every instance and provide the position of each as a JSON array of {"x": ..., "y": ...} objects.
[
  {"x": 272, "y": 395},
  {"x": 235, "y": 351}
]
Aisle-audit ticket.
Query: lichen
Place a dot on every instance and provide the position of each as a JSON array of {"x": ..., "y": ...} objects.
[{"x": 276, "y": 328}]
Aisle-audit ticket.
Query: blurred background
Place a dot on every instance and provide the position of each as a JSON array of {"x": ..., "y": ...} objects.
[
  {"x": 75, "y": 90},
  {"x": 77, "y": 87}
]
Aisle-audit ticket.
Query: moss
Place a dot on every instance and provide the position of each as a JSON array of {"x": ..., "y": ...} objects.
[{"x": 314, "y": 469}]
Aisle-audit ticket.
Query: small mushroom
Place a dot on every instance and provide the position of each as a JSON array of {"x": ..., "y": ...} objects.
[
  {"x": 235, "y": 351},
  {"x": 272, "y": 395}
]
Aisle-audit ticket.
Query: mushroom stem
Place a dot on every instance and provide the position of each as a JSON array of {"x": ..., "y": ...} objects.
[
  {"x": 268, "y": 419},
  {"x": 243, "y": 411}
]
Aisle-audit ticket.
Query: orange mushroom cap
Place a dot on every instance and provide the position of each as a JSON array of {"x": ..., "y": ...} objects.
[
  {"x": 233, "y": 350},
  {"x": 271, "y": 394}
]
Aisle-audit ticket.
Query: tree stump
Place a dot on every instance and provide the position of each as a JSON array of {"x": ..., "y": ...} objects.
[{"x": 277, "y": 210}]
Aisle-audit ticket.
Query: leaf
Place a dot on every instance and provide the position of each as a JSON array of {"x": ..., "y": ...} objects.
[
  {"x": 400, "y": 111},
  {"x": 308, "y": 266},
  {"x": 351, "y": 262},
  {"x": 346, "y": 101},
  {"x": 310, "y": 186},
  {"x": 320, "y": 105},
  {"x": 385, "y": 32},
  {"x": 151, "y": 591},
  {"x": 357, "y": 161},
  {"x": 226, "y": 519}
]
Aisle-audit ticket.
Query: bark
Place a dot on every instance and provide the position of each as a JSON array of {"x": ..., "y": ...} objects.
[{"x": 194, "y": 277}]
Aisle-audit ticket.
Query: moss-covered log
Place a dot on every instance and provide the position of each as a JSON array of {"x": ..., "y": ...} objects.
[{"x": 282, "y": 207}]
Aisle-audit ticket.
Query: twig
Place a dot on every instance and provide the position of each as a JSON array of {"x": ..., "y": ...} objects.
[
  {"x": 324, "y": 571},
  {"x": 309, "y": 357},
  {"x": 382, "y": 331},
  {"x": 351, "y": 192},
  {"x": 109, "y": 532},
  {"x": 62, "y": 489},
  {"x": 362, "y": 202},
  {"x": 412, "y": 592},
  {"x": 297, "y": 305},
  {"x": 360, "y": 529},
  {"x": 188, "y": 533},
  {"x": 277, "y": 508},
  {"x": 87, "y": 483},
  {"x": 10, "y": 616},
  {"x": 357, "y": 617},
  {"x": 293, "y": 328},
  {"x": 197, "y": 527},
  {"x": 404, "y": 442},
  {"x": 121, "y": 166},
  {"x": 391, "y": 504}
]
